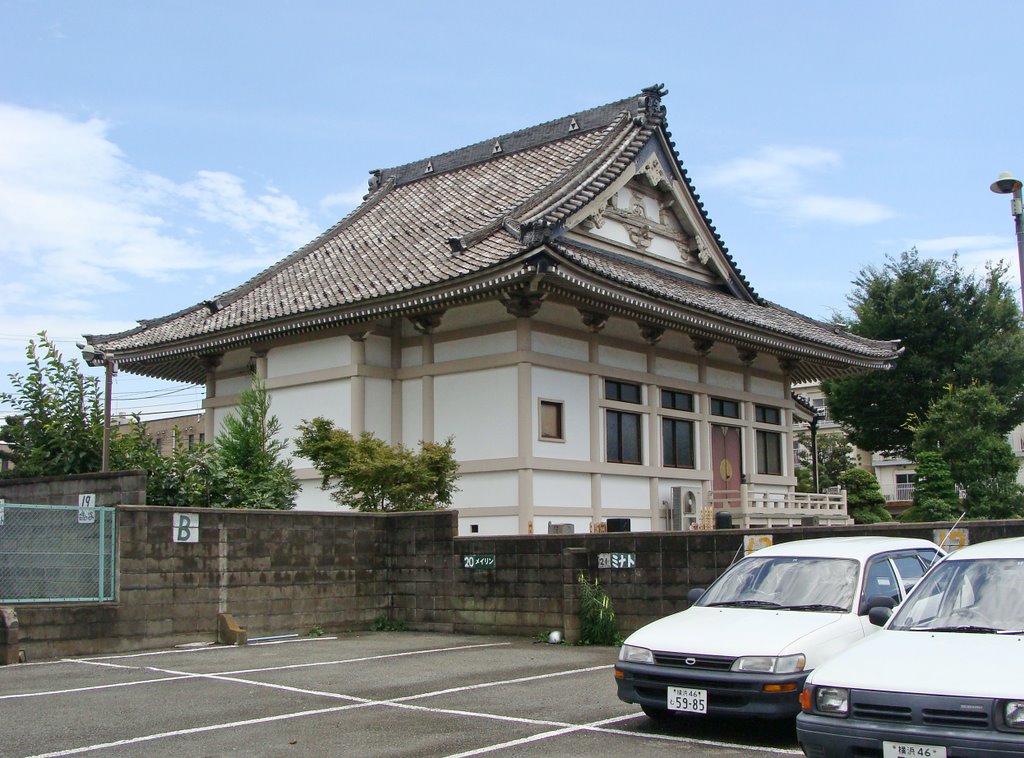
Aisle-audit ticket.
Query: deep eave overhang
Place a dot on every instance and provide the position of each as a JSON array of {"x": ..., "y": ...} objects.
[{"x": 543, "y": 271}]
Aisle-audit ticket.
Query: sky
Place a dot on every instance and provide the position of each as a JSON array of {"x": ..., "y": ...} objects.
[{"x": 154, "y": 155}]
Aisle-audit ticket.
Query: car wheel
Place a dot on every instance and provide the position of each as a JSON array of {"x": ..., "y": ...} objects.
[{"x": 658, "y": 714}]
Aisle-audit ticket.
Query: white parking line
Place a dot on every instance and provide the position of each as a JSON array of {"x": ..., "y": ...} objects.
[{"x": 73, "y": 690}]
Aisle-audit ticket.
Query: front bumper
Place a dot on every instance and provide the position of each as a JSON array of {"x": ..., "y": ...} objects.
[
  {"x": 828, "y": 737},
  {"x": 730, "y": 694}
]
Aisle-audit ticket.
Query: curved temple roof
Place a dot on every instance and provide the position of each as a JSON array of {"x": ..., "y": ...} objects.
[{"x": 468, "y": 224}]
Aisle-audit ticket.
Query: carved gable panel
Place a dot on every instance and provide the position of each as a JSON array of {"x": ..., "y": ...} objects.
[{"x": 643, "y": 218}]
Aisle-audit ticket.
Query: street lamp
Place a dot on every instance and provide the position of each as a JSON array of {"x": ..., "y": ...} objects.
[
  {"x": 1007, "y": 184},
  {"x": 95, "y": 357}
]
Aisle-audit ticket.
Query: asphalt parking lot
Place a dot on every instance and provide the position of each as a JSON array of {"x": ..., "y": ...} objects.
[{"x": 367, "y": 694}]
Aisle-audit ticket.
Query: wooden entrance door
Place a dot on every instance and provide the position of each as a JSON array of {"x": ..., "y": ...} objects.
[{"x": 726, "y": 460}]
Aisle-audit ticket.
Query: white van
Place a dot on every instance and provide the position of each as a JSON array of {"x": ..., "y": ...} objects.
[
  {"x": 746, "y": 645},
  {"x": 944, "y": 678}
]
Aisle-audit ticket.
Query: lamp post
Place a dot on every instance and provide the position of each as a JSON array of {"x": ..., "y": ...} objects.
[
  {"x": 1008, "y": 184},
  {"x": 94, "y": 357}
]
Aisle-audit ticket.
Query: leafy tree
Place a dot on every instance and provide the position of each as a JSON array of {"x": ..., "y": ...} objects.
[
  {"x": 966, "y": 427},
  {"x": 57, "y": 428},
  {"x": 935, "y": 495},
  {"x": 368, "y": 474},
  {"x": 864, "y": 500},
  {"x": 954, "y": 327},
  {"x": 248, "y": 451},
  {"x": 835, "y": 455}
]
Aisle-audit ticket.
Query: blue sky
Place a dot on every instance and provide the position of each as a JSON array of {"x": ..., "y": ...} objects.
[{"x": 155, "y": 154}]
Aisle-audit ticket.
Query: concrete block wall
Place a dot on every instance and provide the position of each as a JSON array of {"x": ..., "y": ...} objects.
[
  {"x": 274, "y": 572},
  {"x": 110, "y": 488},
  {"x": 285, "y": 572}
]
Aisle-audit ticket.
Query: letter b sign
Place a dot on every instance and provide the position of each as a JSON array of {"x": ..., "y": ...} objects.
[{"x": 185, "y": 527}]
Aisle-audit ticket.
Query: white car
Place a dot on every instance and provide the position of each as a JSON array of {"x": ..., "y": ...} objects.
[
  {"x": 747, "y": 644},
  {"x": 944, "y": 678}
]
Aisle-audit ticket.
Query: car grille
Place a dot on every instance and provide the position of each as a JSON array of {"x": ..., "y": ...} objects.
[
  {"x": 691, "y": 661},
  {"x": 925, "y": 710}
]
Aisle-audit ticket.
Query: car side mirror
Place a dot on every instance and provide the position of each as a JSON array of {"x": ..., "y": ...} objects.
[
  {"x": 879, "y": 614},
  {"x": 695, "y": 594}
]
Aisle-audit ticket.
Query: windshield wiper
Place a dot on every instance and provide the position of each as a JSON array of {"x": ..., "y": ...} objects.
[
  {"x": 965, "y": 628},
  {"x": 744, "y": 604},
  {"x": 815, "y": 607}
]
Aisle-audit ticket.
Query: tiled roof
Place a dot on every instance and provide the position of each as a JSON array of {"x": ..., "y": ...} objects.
[{"x": 445, "y": 220}]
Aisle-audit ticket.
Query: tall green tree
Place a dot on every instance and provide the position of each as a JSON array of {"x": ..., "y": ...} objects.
[
  {"x": 935, "y": 495},
  {"x": 249, "y": 450},
  {"x": 966, "y": 427},
  {"x": 864, "y": 499},
  {"x": 368, "y": 474},
  {"x": 57, "y": 427},
  {"x": 835, "y": 455},
  {"x": 955, "y": 328}
]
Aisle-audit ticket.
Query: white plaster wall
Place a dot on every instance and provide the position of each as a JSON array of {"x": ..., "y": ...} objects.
[
  {"x": 488, "y": 526},
  {"x": 233, "y": 385},
  {"x": 412, "y": 412},
  {"x": 573, "y": 390},
  {"x": 378, "y": 351},
  {"x": 768, "y": 387},
  {"x": 719, "y": 379},
  {"x": 412, "y": 356},
  {"x": 473, "y": 347},
  {"x": 291, "y": 405},
  {"x": 612, "y": 230},
  {"x": 378, "y": 408},
  {"x": 663, "y": 247},
  {"x": 628, "y": 359},
  {"x": 219, "y": 414},
  {"x": 312, "y": 498},
  {"x": 488, "y": 490},
  {"x": 619, "y": 492},
  {"x": 561, "y": 489},
  {"x": 314, "y": 355},
  {"x": 478, "y": 408},
  {"x": 552, "y": 344},
  {"x": 676, "y": 369}
]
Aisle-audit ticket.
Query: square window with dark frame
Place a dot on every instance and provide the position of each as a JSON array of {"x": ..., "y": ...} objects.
[
  {"x": 769, "y": 452},
  {"x": 623, "y": 432},
  {"x": 727, "y": 408},
  {"x": 676, "y": 401},
  {"x": 765, "y": 414},
  {"x": 677, "y": 443},
  {"x": 551, "y": 427},
  {"x": 623, "y": 392}
]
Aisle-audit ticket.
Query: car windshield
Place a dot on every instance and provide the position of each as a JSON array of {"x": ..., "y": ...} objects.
[
  {"x": 967, "y": 596},
  {"x": 786, "y": 582}
]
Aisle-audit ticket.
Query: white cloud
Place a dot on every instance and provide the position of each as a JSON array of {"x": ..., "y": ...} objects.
[
  {"x": 343, "y": 200},
  {"x": 776, "y": 179},
  {"x": 87, "y": 238}
]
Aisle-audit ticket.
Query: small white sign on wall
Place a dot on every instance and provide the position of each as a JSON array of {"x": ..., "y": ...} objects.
[
  {"x": 86, "y": 506},
  {"x": 185, "y": 527},
  {"x": 755, "y": 542}
]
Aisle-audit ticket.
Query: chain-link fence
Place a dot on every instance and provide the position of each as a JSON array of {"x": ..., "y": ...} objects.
[{"x": 56, "y": 553}]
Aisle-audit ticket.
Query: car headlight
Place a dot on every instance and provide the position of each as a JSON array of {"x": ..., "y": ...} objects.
[
  {"x": 784, "y": 664},
  {"x": 634, "y": 654},
  {"x": 1013, "y": 714},
  {"x": 832, "y": 701}
]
